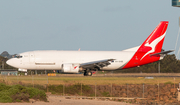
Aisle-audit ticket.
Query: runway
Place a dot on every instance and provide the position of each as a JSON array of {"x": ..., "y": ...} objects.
[{"x": 125, "y": 75}]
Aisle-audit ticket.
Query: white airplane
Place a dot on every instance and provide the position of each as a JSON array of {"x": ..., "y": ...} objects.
[{"x": 78, "y": 61}]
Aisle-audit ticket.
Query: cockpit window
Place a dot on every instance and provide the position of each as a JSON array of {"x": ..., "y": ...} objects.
[{"x": 18, "y": 56}]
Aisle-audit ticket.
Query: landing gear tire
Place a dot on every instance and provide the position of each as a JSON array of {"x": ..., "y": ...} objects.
[{"x": 87, "y": 73}]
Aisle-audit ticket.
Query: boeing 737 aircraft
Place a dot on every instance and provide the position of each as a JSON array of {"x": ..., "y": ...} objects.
[{"x": 87, "y": 61}]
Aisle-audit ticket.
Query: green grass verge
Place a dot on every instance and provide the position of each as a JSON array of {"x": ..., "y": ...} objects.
[
  {"x": 44, "y": 80},
  {"x": 18, "y": 93}
]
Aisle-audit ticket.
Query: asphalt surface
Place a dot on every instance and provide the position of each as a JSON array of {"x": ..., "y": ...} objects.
[{"x": 125, "y": 75}]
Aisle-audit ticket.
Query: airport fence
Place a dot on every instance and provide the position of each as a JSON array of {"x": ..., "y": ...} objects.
[{"x": 166, "y": 92}]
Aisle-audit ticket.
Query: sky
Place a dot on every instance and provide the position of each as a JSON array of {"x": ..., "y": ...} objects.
[{"x": 97, "y": 25}]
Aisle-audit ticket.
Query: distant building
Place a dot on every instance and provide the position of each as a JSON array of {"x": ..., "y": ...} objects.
[
  {"x": 176, "y": 3},
  {"x": 9, "y": 72}
]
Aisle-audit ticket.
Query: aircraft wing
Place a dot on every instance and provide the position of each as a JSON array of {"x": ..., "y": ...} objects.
[
  {"x": 162, "y": 53},
  {"x": 96, "y": 64}
]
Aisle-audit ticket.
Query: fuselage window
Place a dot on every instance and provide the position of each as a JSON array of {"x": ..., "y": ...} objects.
[{"x": 25, "y": 55}]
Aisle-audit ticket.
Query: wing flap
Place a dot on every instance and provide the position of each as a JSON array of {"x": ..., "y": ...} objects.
[{"x": 94, "y": 64}]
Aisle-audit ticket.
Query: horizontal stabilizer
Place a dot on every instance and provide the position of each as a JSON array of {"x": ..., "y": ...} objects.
[{"x": 162, "y": 53}]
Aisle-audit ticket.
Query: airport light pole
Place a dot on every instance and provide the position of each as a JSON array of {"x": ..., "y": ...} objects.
[
  {"x": 159, "y": 67},
  {"x": 177, "y": 56}
]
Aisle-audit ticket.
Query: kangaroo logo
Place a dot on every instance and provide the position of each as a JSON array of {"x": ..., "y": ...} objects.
[
  {"x": 153, "y": 44},
  {"x": 75, "y": 67}
]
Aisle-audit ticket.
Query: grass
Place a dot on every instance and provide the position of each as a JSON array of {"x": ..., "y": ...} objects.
[
  {"x": 168, "y": 82},
  {"x": 55, "y": 89},
  {"x": 18, "y": 93},
  {"x": 43, "y": 80},
  {"x": 105, "y": 94}
]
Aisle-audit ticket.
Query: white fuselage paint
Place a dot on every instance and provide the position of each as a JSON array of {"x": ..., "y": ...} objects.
[{"x": 53, "y": 60}]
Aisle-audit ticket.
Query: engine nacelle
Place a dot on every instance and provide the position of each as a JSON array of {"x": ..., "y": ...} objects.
[{"x": 70, "y": 68}]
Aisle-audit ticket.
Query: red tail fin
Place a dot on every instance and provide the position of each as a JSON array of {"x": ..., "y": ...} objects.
[{"x": 153, "y": 44}]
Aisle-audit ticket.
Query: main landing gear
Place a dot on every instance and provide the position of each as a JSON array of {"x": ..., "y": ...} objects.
[{"x": 87, "y": 72}]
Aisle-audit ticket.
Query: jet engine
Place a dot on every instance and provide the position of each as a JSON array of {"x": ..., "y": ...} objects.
[{"x": 70, "y": 68}]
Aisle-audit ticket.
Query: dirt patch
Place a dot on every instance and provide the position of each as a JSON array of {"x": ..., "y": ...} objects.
[{"x": 56, "y": 100}]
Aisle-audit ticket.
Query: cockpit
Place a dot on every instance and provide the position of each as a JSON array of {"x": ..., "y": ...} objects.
[{"x": 18, "y": 56}]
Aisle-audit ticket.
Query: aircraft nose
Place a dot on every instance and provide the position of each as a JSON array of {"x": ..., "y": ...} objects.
[{"x": 9, "y": 62}]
